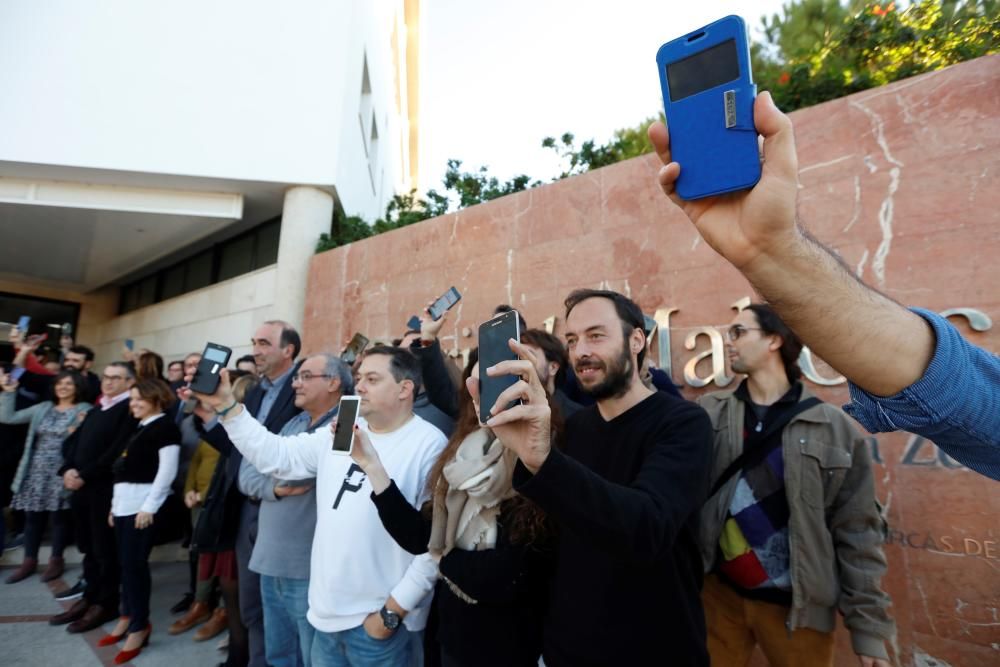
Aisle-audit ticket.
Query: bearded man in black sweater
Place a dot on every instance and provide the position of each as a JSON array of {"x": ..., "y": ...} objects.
[{"x": 625, "y": 493}]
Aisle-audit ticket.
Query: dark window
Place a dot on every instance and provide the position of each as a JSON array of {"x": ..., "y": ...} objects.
[
  {"x": 251, "y": 250},
  {"x": 237, "y": 258},
  {"x": 199, "y": 271}
]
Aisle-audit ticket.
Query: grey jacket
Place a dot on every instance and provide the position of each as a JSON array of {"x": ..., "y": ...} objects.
[
  {"x": 32, "y": 416},
  {"x": 836, "y": 528}
]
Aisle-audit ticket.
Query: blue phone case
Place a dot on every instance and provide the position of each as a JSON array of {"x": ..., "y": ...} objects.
[{"x": 712, "y": 135}]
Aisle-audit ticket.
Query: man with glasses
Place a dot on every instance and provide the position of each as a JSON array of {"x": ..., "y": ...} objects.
[
  {"x": 288, "y": 517},
  {"x": 88, "y": 453},
  {"x": 791, "y": 475},
  {"x": 276, "y": 344}
]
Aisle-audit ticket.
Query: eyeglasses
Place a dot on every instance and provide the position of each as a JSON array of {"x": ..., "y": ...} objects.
[
  {"x": 734, "y": 332},
  {"x": 306, "y": 376},
  {"x": 110, "y": 378}
]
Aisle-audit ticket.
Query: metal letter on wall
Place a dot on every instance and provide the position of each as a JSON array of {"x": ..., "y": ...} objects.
[
  {"x": 809, "y": 370},
  {"x": 718, "y": 353},
  {"x": 741, "y": 305},
  {"x": 662, "y": 334},
  {"x": 549, "y": 324}
]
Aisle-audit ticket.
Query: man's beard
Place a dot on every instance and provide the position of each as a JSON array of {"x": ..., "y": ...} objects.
[{"x": 617, "y": 376}]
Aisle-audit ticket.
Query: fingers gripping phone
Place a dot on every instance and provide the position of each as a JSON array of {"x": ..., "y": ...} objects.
[
  {"x": 708, "y": 97},
  {"x": 444, "y": 304},
  {"x": 494, "y": 347},
  {"x": 347, "y": 416},
  {"x": 213, "y": 360},
  {"x": 354, "y": 349}
]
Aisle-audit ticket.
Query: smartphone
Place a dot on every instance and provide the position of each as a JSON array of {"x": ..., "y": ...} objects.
[
  {"x": 213, "y": 360},
  {"x": 444, "y": 304},
  {"x": 708, "y": 96},
  {"x": 354, "y": 349},
  {"x": 67, "y": 329},
  {"x": 129, "y": 343},
  {"x": 413, "y": 324},
  {"x": 15, "y": 374},
  {"x": 23, "y": 323},
  {"x": 347, "y": 415},
  {"x": 649, "y": 325},
  {"x": 494, "y": 347}
]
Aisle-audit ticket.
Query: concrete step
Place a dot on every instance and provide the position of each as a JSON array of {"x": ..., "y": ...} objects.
[{"x": 167, "y": 553}]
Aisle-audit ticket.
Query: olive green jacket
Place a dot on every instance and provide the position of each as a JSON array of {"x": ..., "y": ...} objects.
[{"x": 836, "y": 529}]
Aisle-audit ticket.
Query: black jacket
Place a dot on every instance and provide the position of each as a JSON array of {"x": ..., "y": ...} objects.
[
  {"x": 220, "y": 516},
  {"x": 93, "y": 447},
  {"x": 438, "y": 385}
]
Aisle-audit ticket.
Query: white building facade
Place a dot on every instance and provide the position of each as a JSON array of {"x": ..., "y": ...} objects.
[{"x": 166, "y": 169}]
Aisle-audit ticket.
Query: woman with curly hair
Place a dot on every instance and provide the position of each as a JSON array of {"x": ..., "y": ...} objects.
[{"x": 493, "y": 547}]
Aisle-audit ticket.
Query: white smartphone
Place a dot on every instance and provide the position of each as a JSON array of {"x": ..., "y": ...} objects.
[{"x": 347, "y": 415}]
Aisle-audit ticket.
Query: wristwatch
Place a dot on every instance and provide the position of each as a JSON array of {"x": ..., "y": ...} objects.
[{"x": 390, "y": 619}]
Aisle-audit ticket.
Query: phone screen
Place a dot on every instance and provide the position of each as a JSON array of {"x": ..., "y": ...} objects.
[
  {"x": 216, "y": 355},
  {"x": 707, "y": 69},
  {"x": 23, "y": 323},
  {"x": 444, "y": 302},
  {"x": 494, "y": 348},
  {"x": 129, "y": 343},
  {"x": 16, "y": 374},
  {"x": 347, "y": 415},
  {"x": 354, "y": 348}
]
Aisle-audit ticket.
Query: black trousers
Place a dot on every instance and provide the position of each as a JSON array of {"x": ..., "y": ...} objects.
[
  {"x": 96, "y": 539},
  {"x": 134, "y": 546},
  {"x": 34, "y": 528}
]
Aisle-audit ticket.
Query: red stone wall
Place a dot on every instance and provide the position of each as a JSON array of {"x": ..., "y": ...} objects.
[{"x": 904, "y": 181}]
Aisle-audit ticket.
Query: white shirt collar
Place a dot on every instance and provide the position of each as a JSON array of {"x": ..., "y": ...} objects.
[{"x": 150, "y": 420}]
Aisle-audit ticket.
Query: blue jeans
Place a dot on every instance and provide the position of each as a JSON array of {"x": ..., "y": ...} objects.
[
  {"x": 288, "y": 636},
  {"x": 354, "y": 648}
]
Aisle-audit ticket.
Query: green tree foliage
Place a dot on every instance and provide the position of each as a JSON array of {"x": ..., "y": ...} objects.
[
  {"x": 626, "y": 143},
  {"x": 820, "y": 50}
]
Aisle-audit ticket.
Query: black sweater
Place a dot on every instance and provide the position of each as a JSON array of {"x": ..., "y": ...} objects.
[
  {"x": 626, "y": 495},
  {"x": 94, "y": 446},
  {"x": 504, "y": 627}
]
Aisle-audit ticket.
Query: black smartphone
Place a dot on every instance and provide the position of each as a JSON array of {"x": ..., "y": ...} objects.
[
  {"x": 347, "y": 415},
  {"x": 413, "y": 324},
  {"x": 494, "y": 347},
  {"x": 354, "y": 349},
  {"x": 444, "y": 304},
  {"x": 213, "y": 360},
  {"x": 67, "y": 329},
  {"x": 649, "y": 325}
]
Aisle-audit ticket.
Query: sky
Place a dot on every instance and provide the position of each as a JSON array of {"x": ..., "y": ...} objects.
[{"x": 500, "y": 76}]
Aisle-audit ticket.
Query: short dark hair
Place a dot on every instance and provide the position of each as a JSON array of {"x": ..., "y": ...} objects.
[
  {"x": 87, "y": 353},
  {"x": 176, "y": 362},
  {"x": 551, "y": 347},
  {"x": 771, "y": 324},
  {"x": 127, "y": 367},
  {"x": 506, "y": 308},
  {"x": 245, "y": 358},
  {"x": 79, "y": 384},
  {"x": 403, "y": 364},
  {"x": 628, "y": 312},
  {"x": 156, "y": 391},
  {"x": 289, "y": 336}
]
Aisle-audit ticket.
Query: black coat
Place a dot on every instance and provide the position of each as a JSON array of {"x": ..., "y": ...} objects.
[{"x": 220, "y": 516}]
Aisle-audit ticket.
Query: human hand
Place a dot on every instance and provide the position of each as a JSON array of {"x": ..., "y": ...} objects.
[
  {"x": 111, "y": 519},
  {"x": 526, "y": 429},
  {"x": 429, "y": 328},
  {"x": 192, "y": 499},
  {"x": 866, "y": 661},
  {"x": 286, "y": 491},
  {"x": 743, "y": 226},
  {"x": 363, "y": 452},
  {"x": 143, "y": 520},
  {"x": 375, "y": 628},
  {"x": 222, "y": 398},
  {"x": 72, "y": 480}
]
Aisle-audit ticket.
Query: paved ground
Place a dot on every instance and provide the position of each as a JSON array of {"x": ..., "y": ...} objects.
[{"x": 26, "y": 638}]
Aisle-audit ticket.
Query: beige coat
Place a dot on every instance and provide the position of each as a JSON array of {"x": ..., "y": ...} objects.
[{"x": 836, "y": 529}]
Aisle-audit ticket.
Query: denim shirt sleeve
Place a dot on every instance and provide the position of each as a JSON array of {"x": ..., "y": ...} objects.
[{"x": 956, "y": 404}]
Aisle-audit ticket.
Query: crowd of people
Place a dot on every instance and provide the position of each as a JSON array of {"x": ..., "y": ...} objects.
[{"x": 597, "y": 518}]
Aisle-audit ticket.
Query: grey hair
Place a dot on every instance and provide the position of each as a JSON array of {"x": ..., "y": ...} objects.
[{"x": 336, "y": 368}]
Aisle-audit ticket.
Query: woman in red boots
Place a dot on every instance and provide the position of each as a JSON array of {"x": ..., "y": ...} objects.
[
  {"x": 143, "y": 473},
  {"x": 38, "y": 489}
]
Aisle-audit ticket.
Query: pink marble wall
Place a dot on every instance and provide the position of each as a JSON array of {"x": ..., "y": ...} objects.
[{"x": 904, "y": 181}]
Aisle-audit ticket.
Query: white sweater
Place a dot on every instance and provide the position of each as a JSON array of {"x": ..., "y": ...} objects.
[{"x": 355, "y": 564}]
